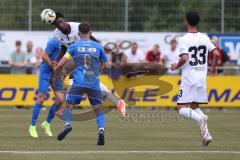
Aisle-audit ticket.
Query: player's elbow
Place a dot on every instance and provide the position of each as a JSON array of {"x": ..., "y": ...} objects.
[{"x": 184, "y": 58}]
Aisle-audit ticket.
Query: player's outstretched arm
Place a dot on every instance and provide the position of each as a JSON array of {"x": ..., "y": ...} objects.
[{"x": 213, "y": 69}]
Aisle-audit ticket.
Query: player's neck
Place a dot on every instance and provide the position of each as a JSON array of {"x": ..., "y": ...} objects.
[
  {"x": 84, "y": 37},
  {"x": 192, "y": 29}
]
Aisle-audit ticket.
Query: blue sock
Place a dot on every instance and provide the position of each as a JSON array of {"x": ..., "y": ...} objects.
[
  {"x": 100, "y": 119},
  {"x": 51, "y": 113},
  {"x": 67, "y": 116},
  {"x": 35, "y": 112}
]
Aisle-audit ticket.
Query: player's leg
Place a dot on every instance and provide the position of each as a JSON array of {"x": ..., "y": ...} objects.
[
  {"x": 41, "y": 96},
  {"x": 60, "y": 107},
  {"x": 95, "y": 99},
  {"x": 185, "y": 111},
  {"x": 120, "y": 104},
  {"x": 46, "y": 125},
  {"x": 59, "y": 98},
  {"x": 185, "y": 97},
  {"x": 73, "y": 97},
  {"x": 197, "y": 109}
]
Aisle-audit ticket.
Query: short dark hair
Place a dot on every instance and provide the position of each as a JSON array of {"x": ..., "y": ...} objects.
[
  {"x": 84, "y": 28},
  {"x": 58, "y": 15},
  {"x": 134, "y": 43},
  {"x": 193, "y": 18},
  {"x": 18, "y": 43},
  {"x": 156, "y": 45},
  {"x": 173, "y": 41}
]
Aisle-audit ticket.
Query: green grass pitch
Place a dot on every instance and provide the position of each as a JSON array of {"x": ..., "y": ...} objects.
[{"x": 137, "y": 138}]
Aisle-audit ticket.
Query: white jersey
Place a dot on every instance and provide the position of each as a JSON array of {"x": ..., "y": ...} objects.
[
  {"x": 194, "y": 71},
  {"x": 69, "y": 39},
  {"x": 196, "y": 46}
]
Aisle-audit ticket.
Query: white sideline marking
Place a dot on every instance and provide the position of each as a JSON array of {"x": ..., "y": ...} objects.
[{"x": 120, "y": 152}]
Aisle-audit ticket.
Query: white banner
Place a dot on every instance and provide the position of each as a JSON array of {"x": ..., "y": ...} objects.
[{"x": 145, "y": 40}]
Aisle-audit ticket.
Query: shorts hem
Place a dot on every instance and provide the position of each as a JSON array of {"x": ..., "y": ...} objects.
[{"x": 193, "y": 102}]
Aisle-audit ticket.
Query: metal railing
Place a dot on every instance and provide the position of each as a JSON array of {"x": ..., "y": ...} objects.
[
  {"x": 223, "y": 70},
  {"x": 124, "y": 15}
]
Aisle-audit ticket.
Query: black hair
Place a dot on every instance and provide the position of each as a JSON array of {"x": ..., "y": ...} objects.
[
  {"x": 193, "y": 18},
  {"x": 84, "y": 28},
  {"x": 58, "y": 15}
]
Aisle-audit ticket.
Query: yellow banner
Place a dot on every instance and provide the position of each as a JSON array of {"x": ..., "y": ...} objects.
[{"x": 145, "y": 91}]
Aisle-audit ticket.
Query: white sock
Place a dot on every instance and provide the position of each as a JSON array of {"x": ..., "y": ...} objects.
[
  {"x": 101, "y": 128},
  {"x": 190, "y": 114},
  {"x": 199, "y": 111}
]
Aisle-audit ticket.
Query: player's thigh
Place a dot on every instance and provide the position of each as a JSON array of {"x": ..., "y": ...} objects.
[
  {"x": 43, "y": 89},
  {"x": 75, "y": 95},
  {"x": 186, "y": 94},
  {"x": 201, "y": 95},
  {"x": 57, "y": 87},
  {"x": 94, "y": 96},
  {"x": 191, "y": 96},
  {"x": 194, "y": 105}
]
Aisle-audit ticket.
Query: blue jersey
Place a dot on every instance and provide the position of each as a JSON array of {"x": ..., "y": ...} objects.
[
  {"x": 52, "y": 49},
  {"x": 88, "y": 57}
]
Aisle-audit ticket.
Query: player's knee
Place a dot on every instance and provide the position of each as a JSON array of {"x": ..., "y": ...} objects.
[
  {"x": 59, "y": 99},
  {"x": 180, "y": 106},
  {"x": 194, "y": 105},
  {"x": 97, "y": 107},
  {"x": 41, "y": 98}
]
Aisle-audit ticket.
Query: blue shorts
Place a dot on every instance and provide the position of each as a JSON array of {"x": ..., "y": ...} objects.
[
  {"x": 45, "y": 81},
  {"x": 76, "y": 93}
]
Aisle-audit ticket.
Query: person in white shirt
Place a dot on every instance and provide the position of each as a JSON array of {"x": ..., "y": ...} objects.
[
  {"x": 170, "y": 57},
  {"x": 30, "y": 57},
  {"x": 193, "y": 52},
  {"x": 134, "y": 55}
]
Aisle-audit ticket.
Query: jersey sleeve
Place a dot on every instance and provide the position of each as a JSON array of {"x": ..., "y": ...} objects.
[
  {"x": 103, "y": 56},
  {"x": 210, "y": 45},
  {"x": 183, "y": 47},
  {"x": 70, "y": 52},
  {"x": 51, "y": 44}
]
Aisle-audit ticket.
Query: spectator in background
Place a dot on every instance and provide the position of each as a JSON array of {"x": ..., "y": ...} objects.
[
  {"x": 118, "y": 60},
  {"x": 18, "y": 60},
  {"x": 37, "y": 60},
  {"x": 170, "y": 57},
  {"x": 222, "y": 58},
  {"x": 134, "y": 55},
  {"x": 154, "y": 55},
  {"x": 30, "y": 57}
]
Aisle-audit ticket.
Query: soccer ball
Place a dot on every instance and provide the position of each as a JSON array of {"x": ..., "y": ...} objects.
[{"x": 48, "y": 16}]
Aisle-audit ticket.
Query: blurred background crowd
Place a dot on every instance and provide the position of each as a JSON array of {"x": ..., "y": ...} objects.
[{"x": 25, "y": 60}]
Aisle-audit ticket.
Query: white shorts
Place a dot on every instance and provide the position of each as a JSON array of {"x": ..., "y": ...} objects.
[{"x": 190, "y": 94}]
